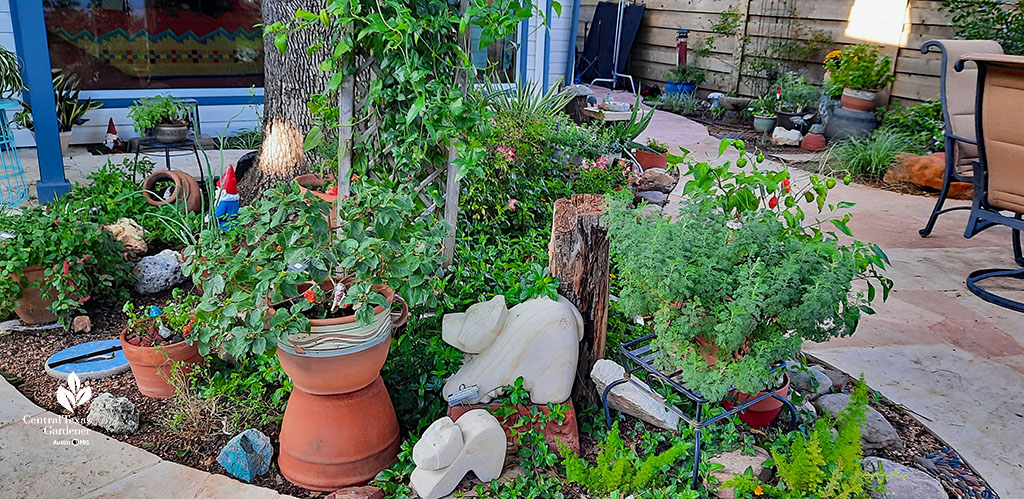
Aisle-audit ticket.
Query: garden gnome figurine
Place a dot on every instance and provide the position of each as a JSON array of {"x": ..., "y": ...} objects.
[
  {"x": 450, "y": 449},
  {"x": 227, "y": 199},
  {"x": 112, "y": 141}
]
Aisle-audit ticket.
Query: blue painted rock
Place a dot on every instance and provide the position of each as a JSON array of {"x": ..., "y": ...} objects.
[{"x": 248, "y": 455}]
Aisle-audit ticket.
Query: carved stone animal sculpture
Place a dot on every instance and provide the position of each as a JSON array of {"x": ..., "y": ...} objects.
[{"x": 448, "y": 450}]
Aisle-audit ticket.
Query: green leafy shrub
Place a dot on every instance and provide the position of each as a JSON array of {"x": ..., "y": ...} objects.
[
  {"x": 149, "y": 112},
  {"x": 859, "y": 67},
  {"x": 737, "y": 282},
  {"x": 618, "y": 468},
  {"x": 588, "y": 141},
  {"x": 686, "y": 74},
  {"x": 999, "y": 20},
  {"x": 921, "y": 124},
  {"x": 603, "y": 175},
  {"x": 796, "y": 94},
  {"x": 869, "y": 157},
  {"x": 256, "y": 389},
  {"x": 766, "y": 105},
  {"x": 826, "y": 463}
]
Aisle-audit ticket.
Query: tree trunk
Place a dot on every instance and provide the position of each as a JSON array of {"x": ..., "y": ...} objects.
[
  {"x": 578, "y": 257},
  {"x": 289, "y": 81}
]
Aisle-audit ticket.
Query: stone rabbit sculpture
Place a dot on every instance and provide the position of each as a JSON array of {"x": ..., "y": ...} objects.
[{"x": 537, "y": 339}]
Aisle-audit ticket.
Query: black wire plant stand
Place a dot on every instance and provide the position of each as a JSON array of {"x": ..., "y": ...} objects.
[{"x": 637, "y": 358}]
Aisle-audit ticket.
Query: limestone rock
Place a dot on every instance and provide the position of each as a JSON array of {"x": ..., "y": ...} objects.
[
  {"x": 539, "y": 341},
  {"x": 735, "y": 463},
  {"x": 131, "y": 234},
  {"x": 480, "y": 450},
  {"x": 657, "y": 181},
  {"x": 630, "y": 399},
  {"x": 247, "y": 455},
  {"x": 159, "y": 273},
  {"x": 783, "y": 137},
  {"x": 904, "y": 482},
  {"x": 113, "y": 414},
  {"x": 840, "y": 380},
  {"x": 652, "y": 197},
  {"x": 81, "y": 324},
  {"x": 365, "y": 492},
  {"x": 925, "y": 171},
  {"x": 877, "y": 434},
  {"x": 812, "y": 384}
]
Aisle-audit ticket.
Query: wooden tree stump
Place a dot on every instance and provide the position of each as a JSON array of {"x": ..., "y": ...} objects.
[{"x": 578, "y": 257}]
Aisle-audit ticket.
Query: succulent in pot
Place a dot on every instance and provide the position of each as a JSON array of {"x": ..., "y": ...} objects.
[
  {"x": 156, "y": 341},
  {"x": 162, "y": 117},
  {"x": 739, "y": 280}
]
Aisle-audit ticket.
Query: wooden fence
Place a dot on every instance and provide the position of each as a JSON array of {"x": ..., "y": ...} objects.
[{"x": 730, "y": 67}]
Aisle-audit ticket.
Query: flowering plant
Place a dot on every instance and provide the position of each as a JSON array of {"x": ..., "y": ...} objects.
[
  {"x": 860, "y": 68},
  {"x": 80, "y": 260},
  {"x": 282, "y": 266},
  {"x": 603, "y": 175},
  {"x": 155, "y": 326}
]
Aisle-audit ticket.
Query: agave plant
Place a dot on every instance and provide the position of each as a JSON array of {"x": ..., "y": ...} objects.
[
  {"x": 70, "y": 109},
  {"x": 11, "y": 83},
  {"x": 528, "y": 99}
]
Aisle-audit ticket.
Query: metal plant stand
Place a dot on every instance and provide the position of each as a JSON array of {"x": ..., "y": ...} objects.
[
  {"x": 638, "y": 358},
  {"x": 13, "y": 186}
]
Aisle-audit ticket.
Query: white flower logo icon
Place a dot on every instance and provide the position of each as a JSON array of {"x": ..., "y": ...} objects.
[{"x": 76, "y": 396}]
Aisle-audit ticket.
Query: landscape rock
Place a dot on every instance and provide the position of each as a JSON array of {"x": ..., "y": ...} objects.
[
  {"x": 877, "y": 434},
  {"x": 247, "y": 455},
  {"x": 630, "y": 399},
  {"x": 925, "y": 171},
  {"x": 840, "y": 380},
  {"x": 480, "y": 449},
  {"x": 657, "y": 181},
  {"x": 16, "y": 326},
  {"x": 365, "y": 492},
  {"x": 131, "y": 234},
  {"x": 783, "y": 137},
  {"x": 812, "y": 384},
  {"x": 652, "y": 197},
  {"x": 113, "y": 414},
  {"x": 81, "y": 324},
  {"x": 159, "y": 273},
  {"x": 651, "y": 211},
  {"x": 904, "y": 482},
  {"x": 735, "y": 463}
]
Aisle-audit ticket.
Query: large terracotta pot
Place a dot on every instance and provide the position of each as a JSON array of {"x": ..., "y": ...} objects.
[
  {"x": 764, "y": 412},
  {"x": 859, "y": 100},
  {"x": 152, "y": 366},
  {"x": 32, "y": 308},
  {"x": 650, "y": 160},
  {"x": 339, "y": 427},
  {"x": 313, "y": 184},
  {"x": 186, "y": 190}
]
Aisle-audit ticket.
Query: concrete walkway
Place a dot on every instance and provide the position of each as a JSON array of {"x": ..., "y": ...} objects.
[
  {"x": 953, "y": 360},
  {"x": 42, "y": 455}
]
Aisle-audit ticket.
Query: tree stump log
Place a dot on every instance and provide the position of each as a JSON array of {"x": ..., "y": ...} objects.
[{"x": 578, "y": 257}]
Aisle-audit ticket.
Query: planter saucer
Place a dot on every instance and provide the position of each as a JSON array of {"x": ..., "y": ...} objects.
[{"x": 99, "y": 366}]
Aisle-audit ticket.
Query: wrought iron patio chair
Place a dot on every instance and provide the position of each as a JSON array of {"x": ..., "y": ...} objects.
[
  {"x": 999, "y": 170},
  {"x": 957, "y": 93}
]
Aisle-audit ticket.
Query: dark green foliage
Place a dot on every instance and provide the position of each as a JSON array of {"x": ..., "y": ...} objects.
[
  {"x": 921, "y": 124},
  {"x": 618, "y": 468},
  {"x": 256, "y": 390},
  {"x": 797, "y": 95},
  {"x": 869, "y": 157},
  {"x": 999, "y": 20}
]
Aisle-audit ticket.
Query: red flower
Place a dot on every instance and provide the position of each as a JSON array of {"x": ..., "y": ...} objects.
[
  {"x": 309, "y": 295},
  {"x": 773, "y": 202},
  {"x": 333, "y": 191},
  {"x": 786, "y": 182},
  {"x": 66, "y": 267}
]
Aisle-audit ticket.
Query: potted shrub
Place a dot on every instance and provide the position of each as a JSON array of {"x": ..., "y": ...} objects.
[
  {"x": 734, "y": 284},
  {"x": 53, "y": 263},
  {"x": 654, "y": 155},
  {"x": 160, "y": 117},
  {"x": 323, "y": 299},
  {"x": 763, "y": 109},
  {"x": 154, "y": 343},
  {"x": 798, "y": 102},
  {"x": 684, "y": 79},
  {"x": 70, "y": 109},
  {"x": 861, "y": 73}
]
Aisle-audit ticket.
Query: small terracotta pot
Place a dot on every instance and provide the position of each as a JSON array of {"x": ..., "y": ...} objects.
[
  {"x": 32, "y": 308},
  {"x": 764, "y": 412},
  {"x": 312, "y": 183},
  {"x": 650, "y": 160},
  {"x": 186, "y": 190},
  {"x": 813, "y": 142},
  {"x": 152, "y": 366},
  {"x": 859, "y": 100}
]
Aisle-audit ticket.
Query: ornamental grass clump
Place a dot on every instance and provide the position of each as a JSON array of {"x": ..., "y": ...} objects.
[{"x": 738, "y": 280}]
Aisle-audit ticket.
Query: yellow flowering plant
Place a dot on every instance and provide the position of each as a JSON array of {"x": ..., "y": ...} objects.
[{"x": 860, "y": 67}]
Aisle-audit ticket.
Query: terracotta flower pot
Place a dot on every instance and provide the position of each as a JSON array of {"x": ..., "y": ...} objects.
[
  {"x": 813, "y": 142},
  {"x": 764, "y": 412},
  {"x": 339, "y": 427},
  {"x": 650, "y": 160},
  {"x": 859, "y": 100},
  {"x": 313, "y": 183},
  {"x": 152, "y": 366},
  {"x": 186, "y": 190},
  {"x": 32, "y": 308}
]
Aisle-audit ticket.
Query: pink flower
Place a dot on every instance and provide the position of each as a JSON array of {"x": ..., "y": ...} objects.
[
  {"x": 507, "y": 152},
  {"x": 512, "y": 203}
]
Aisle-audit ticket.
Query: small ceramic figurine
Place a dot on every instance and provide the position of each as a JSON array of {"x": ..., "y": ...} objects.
[{"x": 227, "y": 199}]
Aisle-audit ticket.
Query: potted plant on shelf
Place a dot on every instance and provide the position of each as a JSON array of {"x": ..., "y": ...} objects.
[
  {"x": 684, "y": 79},
  {"x": 280, "y": 279},
  {"x": 53, "y": 263},
  {"x": 736, "y": 283},
  {"x": 70, "y": 109},
  {"x": 653, "y": 155},
  {"x": 160, "y": 117},
  {"x": 763, "y": 109},
  {"x": 154, "y": 343},
  {"x": 798, "y": 102},
  {"x": 862, "y": 73},
  {"x": 11, "y": 83}
]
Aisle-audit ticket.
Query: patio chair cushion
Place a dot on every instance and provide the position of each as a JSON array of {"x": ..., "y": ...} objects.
[
  {"x": 1002, "y": 117},
  {"x": 959, "y": 97}
]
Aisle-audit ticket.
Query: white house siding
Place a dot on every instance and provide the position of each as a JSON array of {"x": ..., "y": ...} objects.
[
  {"x": 213, "y": 119},
  {"x": 559, "y": 27}
]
